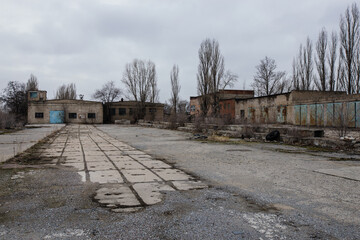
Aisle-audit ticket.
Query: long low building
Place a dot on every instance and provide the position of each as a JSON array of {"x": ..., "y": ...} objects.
[
  {"x": 42, "y": 111},
  {"x": 305, "y": 108}
]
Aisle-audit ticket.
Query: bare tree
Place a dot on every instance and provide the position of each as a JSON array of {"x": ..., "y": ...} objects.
[
  {"x": 32, "y": 83},
  {"x": 14, "y": 98},
  {"x": 305, "y": 66},
  {"x": 175, "y": 88},
  {"x": 267, "y": 81},
  {"x": 140, "y": 81},
  {"x": 295, "y": 75},
  {"x": 331, "y": 59},
  {"x": 349, "y": 41},
  {"x": 66, "y": 91},
  {"x": 321, "y": 67},
  {"x": 108, "y": 93},
  {"x": 211, "y": 76}
]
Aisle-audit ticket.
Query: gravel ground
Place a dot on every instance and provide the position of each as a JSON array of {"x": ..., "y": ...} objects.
[{"x": 259, "y": 191}]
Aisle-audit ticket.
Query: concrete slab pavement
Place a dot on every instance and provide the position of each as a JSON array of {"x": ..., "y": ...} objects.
[
  {"x": 12, "y": 144},
  {"x": 129, "y": 179}
]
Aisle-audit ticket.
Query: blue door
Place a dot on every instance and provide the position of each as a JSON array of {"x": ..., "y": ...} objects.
[{"x": 56, "y": 116}]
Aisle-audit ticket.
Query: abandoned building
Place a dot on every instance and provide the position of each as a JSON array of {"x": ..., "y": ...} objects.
[
  {"x": 227, "y": 103},
  {"x": 303, "y": 108},
  {"x": 127, "y": 110},
  {"x": 42, "y": 111}
]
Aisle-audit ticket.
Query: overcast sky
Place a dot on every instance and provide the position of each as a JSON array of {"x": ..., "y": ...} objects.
[{"x": 88, "y": 42}]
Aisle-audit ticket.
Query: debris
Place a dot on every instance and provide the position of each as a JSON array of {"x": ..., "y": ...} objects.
[
  {"x": 198, "y": 136},
  {"x": 273, "y": 136}
]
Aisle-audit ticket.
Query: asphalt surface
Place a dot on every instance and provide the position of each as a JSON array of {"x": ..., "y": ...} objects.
[{"x": 257, "y": 191}]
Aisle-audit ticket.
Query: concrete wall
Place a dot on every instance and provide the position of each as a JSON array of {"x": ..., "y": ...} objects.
[{"x": 80, "y": 107}]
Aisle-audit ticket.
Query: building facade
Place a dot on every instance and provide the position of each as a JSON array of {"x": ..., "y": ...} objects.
[
  {"x": 128, "y": 110},
  {"x": 64, "y": 111},
  {"x": 43, "y": 111},
  {"x": 303, "y": 108},
  {"x": 226, "y": 103}
]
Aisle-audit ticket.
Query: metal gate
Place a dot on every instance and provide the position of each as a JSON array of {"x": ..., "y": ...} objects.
[{"x": 56, "y": 116}]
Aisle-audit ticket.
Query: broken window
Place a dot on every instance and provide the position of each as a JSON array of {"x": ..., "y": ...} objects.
[
  {"x": 192, "y": 108},
  {"x": 91, "y": 115},
  {"x": 39, "y": 115},
  {"x": 152, "y": 110},
  {"x": 72, "y": 115},
  {"x": 33, "y": 94},
  {"x": 122, "y": 111}
]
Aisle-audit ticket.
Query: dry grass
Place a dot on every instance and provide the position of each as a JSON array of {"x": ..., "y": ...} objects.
[{"x": 217, "y": 138}]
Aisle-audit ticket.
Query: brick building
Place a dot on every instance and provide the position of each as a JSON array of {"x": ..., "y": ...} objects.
[{"x": 227, "y": 102}]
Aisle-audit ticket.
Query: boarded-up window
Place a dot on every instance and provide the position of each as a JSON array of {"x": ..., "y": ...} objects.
[
  {"x": 300, "y": 114},
  {"x": 312, "y": 113},
  {"x": 320, "y": 114},
  {"x": 351, "y": 114},
  {"x": 339, "y": 118},
  {"x": 281, "y": 114}
]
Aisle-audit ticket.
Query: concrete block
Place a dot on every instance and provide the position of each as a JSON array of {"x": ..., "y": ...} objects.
[
  {"x": 172, "y": 174},
  {"x": 140, "y": 175},
  {"x": 189, "y": 185},
  {"x": 99, "y": 166},
  {"x": 150, "y": 193},
  {"x": 127, "y": 165},
  {"x": 117, "y": 196},
  {"x": 110, "y": 176},
  {"x": 155, "y": 164}
]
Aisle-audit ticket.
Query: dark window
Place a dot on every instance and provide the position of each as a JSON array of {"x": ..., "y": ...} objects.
[
  {"x": 122, "y": 111},
  {"x": 112, "y": 111},
  {"x": 242, "y": 113},
  {"x": 91, "y": 115},
  {"x": 192, "y": 108},
  {"x": 131, "y": 111},
  {"x": 228, "y": 106},
  {"x": 152, "y": 110},
  {"x": 33, "y": 94},
  {"x": 39, "y": 115},
  {"x": 72, "y": 115}
]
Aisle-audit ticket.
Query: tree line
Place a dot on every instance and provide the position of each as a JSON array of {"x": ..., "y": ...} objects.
[{"x": 331, "y": 64}]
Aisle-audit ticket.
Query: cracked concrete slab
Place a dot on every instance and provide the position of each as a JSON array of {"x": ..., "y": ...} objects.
[
  {"x": 140, "y": 175},
  {"x": 188, "y": 185},
  {"x": 172, "y": 174},
  {"x": 128, "y": 178},
  {"x": 127, "y": 165},
  {"x": 117, "y": 196},
  {"x": 155, "y": 164},
  {"x": 110, "y": 176},
  {"x": 150, "y": 193}
]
